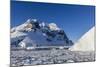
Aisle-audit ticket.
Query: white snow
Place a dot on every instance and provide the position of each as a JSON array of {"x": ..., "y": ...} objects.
[
  {"x": 53, "y": 26},
  {"x": 17, "y": 34},
  {"x": 42, "y": 24},
  {"x": 86, "y": 42},
  {"x": 22, "y": 45}
]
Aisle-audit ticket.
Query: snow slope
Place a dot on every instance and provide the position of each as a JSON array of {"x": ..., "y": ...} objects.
[{"x": 86, "y": 42}]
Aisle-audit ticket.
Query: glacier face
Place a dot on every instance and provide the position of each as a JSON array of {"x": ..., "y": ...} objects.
[
  {"x": 86, "y": 42},
  {"x": 33, "y": 33}
]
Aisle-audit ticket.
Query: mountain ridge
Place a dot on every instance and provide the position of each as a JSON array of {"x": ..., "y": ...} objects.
[{"x": 35, "y": 33}]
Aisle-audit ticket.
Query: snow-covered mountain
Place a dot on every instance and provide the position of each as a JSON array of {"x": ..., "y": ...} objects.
[
  {"x": 33, "y": 33},
  {"x": 86, "y": 42}
]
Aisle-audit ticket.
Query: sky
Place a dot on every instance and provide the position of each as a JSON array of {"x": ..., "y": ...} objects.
[{"x": 75, "y": 20}]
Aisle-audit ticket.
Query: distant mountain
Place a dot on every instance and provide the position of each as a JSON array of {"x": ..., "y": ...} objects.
[
  {"x": 33, "y": 33},
  {"x": 86, "y": 42}
]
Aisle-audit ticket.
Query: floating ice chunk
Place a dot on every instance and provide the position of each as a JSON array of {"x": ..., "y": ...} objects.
[{"x": 70, "y": 61}]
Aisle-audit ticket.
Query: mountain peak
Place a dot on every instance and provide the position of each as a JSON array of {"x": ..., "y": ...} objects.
[
  {"x": 40, "y": 34},
  {"x": 53, "y": 26},
  {"x": 31, "y": 20}
]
